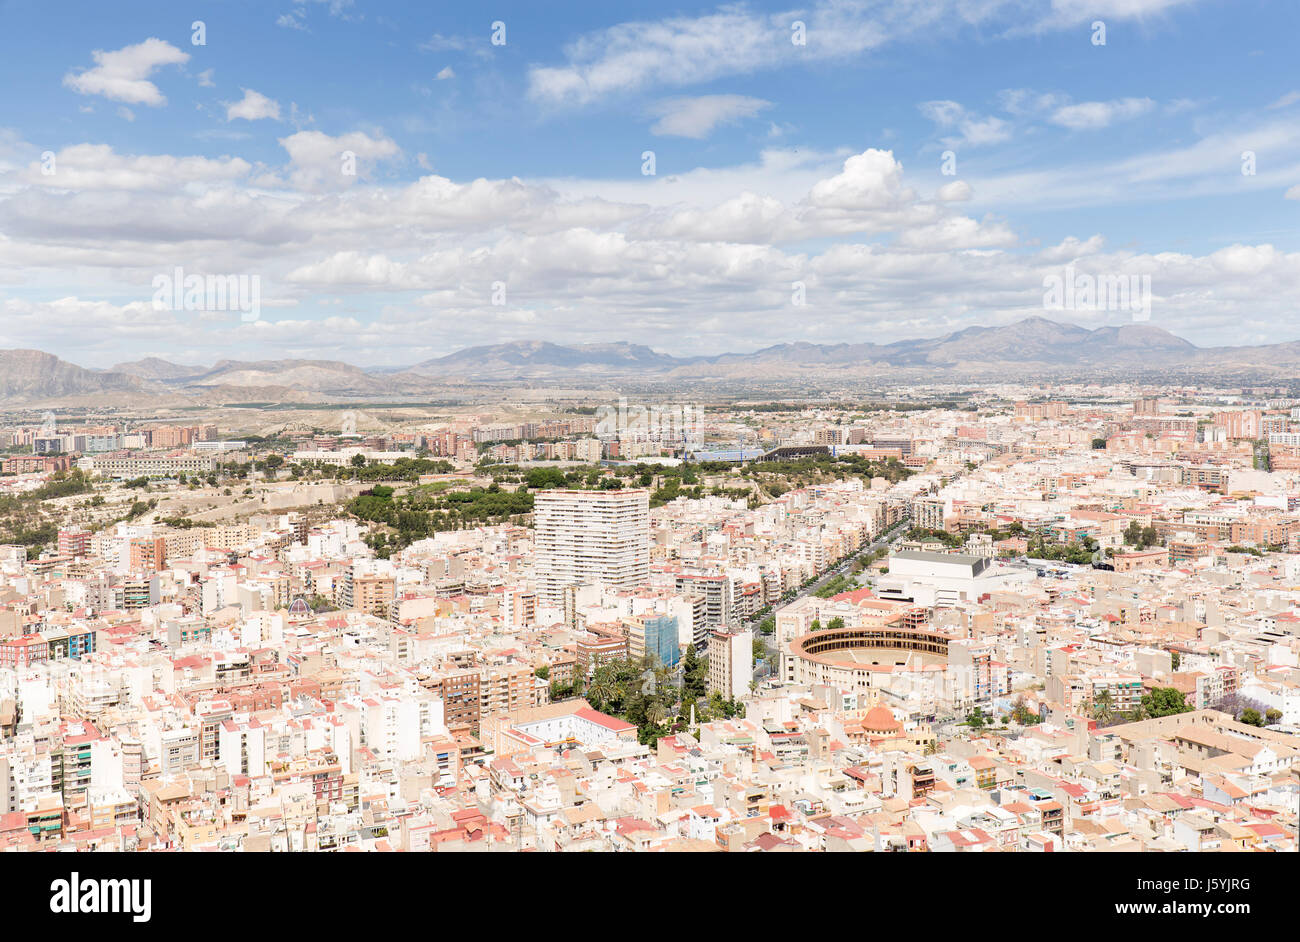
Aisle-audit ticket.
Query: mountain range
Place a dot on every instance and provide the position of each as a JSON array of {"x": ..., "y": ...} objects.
[{"x": 1034, "y": 347}]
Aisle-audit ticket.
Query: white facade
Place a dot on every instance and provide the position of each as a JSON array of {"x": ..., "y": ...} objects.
[
  {"x": 585, "y": 537},
  {"x": 243, "y": 748}
]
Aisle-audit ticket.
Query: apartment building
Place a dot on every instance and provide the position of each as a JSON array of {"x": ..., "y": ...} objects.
[
  {"x": 506, "y": 688},
  {"x": 731, "y": 663},
  {"x": 119, "y": 465},
  {"x": 585, "y": 537},
  {"x": 461, "y": 698},
  {"x": 371, "y": 594},
  {"x": 148, "y": 554}
]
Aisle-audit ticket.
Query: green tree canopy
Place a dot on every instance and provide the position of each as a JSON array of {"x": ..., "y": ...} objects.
[{"x": 1164, "y": 701}]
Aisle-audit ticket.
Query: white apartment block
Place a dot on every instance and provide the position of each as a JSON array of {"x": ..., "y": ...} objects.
[
  {"x": 243, "y": 748},
  {"x": 132, "y": 466},
  {"x": 583, "y": 537}
]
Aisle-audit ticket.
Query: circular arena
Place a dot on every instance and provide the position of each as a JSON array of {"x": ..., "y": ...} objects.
[{"x": 856, "y": 657}]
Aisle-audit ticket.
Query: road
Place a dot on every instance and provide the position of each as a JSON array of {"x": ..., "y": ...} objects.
[
  {"x": 888, "y": 537},
  {"x": 765, "y": 668}
]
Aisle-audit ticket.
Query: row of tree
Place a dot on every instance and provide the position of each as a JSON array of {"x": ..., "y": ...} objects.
[{"x": 420, "y": 514}]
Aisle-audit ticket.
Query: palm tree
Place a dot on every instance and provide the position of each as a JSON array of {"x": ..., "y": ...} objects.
[
  {"x": 655, "y": 712},
  {"x": 601, "y": 688},
  {"x": 1103, "y": 706}
]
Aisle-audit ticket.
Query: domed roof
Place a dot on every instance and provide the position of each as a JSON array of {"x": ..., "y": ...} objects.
[{"x": 880, "y": 720}]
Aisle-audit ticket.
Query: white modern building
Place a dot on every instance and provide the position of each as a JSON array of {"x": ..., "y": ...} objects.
[
  {"x": 344, "y": 456},
  {"x": 585, "y": 537},
  {"x": 944, "y": 579}
]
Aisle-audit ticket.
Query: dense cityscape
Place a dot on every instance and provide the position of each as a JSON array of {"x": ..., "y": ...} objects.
[
  {"x": 1020, "y": 619},
  {"x": 861, "y": 427}
]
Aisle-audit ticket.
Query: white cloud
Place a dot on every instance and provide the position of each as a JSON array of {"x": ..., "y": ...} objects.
[
  {"x": 703, "y": 263},
  {"x": 737, "y": 40},
  {"x": 123, "y": 75},
  {"x": 440, "y": 43},
  {"x": 958, "y": 191},
  {"x": 867, "y": 195},
  {"x": 731, "y": 41},
  {"x": 1195, "y": 169},
  {"x": 973, "y": 130},
  {"x": 748, "y": 217},
  {"x": 697, "y": 117},
  {"x": 1092, "y": 115},
  {"x": 97, "y": 167},
  {"x": 1066, "y": 13},
  {"x": 54, "y": 323},
  {"x": 205, "y": 79},
  {"x": 355, "y": 270},
  {"x": 1293, "y": 193},
  {"x": 870, "y": 180},
  {"x": 957, "y": 232},
  {"x": 253, "y": 107},
  {"x": 296, "y": 19},
  {"x": 446, "y": 73},
  {"x": 321, "y": 161},
  {"x": 1024, "y": 101}
]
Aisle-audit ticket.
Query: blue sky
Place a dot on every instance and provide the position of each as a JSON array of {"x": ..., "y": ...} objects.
[{"x": 499, "y": 192}]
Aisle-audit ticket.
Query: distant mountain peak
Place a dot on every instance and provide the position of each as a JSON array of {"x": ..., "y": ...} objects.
[
  {"x": 1034, "y": 345},
  {"x": 34, "y": 374}
]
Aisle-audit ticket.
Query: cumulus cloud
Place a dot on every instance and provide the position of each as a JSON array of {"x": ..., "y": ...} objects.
[
  {"x": 704, "y": 263},
  {"x": 697, "y": 117},
  {"x": 253, "y": 107},
  {"x": 48, "y": 324},
  {"x": 870, "y": 180},
  {"x": 98, "y": 167},
  {"x": 354, "y": 269},
  {"x": 958, "y": 191},
  {"x": 321, "y": 161},
  {"x": 123, "y": 75}
]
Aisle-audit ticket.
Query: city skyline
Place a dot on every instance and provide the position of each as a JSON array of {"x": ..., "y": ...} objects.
[{"x": 858, "y": 426}]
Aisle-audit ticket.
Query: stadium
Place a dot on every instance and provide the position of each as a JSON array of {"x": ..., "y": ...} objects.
[{"x": 868, "y": 657}]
